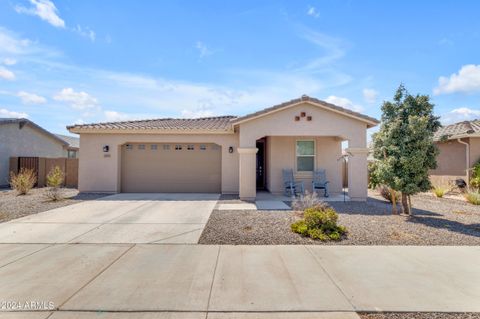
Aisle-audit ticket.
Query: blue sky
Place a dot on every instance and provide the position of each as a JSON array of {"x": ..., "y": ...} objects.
[{"x": 66, "y": 62}]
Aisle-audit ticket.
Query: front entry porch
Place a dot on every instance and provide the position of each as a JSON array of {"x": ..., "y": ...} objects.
[{"x": 261, "y": 167}]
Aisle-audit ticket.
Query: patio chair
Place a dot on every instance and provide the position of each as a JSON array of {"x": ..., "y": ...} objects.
[
  {"x": 320, "y": 181},
  {"x": 291, "y": 187}
]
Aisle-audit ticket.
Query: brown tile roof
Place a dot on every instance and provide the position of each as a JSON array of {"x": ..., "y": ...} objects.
[
  {"x": 218, "y": 123},
  {"x": 457, "y": 130},
  {"x": 306, "y": 98}
]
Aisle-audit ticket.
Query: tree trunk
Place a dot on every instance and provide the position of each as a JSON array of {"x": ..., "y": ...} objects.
[
  {"x": 394, "y": 202},
  {"x": 405, "y": 207},
  {"x": 409, "y": 204}
]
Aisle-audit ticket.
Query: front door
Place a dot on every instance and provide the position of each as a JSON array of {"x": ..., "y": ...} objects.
[{"x": 261, "y": 177}]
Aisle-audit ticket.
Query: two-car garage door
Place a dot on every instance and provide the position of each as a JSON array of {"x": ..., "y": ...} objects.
[{"x": 171, "y": 168}]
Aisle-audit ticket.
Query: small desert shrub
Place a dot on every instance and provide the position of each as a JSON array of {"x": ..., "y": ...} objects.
[
  {"x": 473, "y": 197},
  {"x": 54, "y": 180},
  {"x": 439, "y": 190},
  {"x": 24, "y": 181},
  {"x": 475, "y": 182},
  {"x": 386, "y": 192},
  {"x": 319, "y": 224},
  {"x": 309, "y": 200}
]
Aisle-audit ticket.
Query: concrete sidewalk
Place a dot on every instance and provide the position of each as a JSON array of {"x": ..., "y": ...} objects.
[{"x": 232, "y": 281}]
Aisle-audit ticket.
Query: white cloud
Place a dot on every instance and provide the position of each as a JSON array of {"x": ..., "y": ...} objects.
[
  {"x": 6, "y": 74},
  {"x": 7, "y": 113},
  {"x": 370, "y": 95},
  {"x": 31, "y": 98},
  {"x": 114, "y": 116},
  {"x": 467, "y": 80},
  {"x": 78, "y": 100},
  {"x": 197, "y": 113},
  {"x": 460, "y": 114},
  {"x": 45, "y": 10},
  {"x": 333, "y": 49},
  {"x": 312, "y": 11},
  {"x": 344, "y": 102},
  {"x": 85, "y": 32},
  {"x": 203, "y": 50},
  {"x": 9, "y": 61}
]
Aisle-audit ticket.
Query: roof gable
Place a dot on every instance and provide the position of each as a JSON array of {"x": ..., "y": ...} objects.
[
  {"x": 313, "y": 101},
  {"x": 21, "y": 122}
]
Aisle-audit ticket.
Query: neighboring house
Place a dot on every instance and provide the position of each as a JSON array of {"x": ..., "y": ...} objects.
[
  {"x": 73, "y": 149},
  {"x": 226, "y": 154},
  {"x": 459, "y": 146},
  {"x": 22, "y": 137}
]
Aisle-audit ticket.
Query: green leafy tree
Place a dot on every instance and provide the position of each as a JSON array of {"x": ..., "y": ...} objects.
[{"x": 404, "y": 145}]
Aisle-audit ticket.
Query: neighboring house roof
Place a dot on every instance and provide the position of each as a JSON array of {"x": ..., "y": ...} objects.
[
  {"x": 218, "y": 123},
  {"x": 305, "y": 98},
  {"x": 212, "y": 124},
  {"x": 458, "y": 130},
  {"x": 22, "y": 122},
  {"x": 73, "y": 142}
]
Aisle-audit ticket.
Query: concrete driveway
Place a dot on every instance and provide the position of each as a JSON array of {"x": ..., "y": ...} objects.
[{"x": 121, "y": 218}]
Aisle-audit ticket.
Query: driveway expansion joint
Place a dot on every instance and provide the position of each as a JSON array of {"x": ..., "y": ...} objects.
[
  {"x": 97, "y": 275},
  {"x": 330, "y": 277}
]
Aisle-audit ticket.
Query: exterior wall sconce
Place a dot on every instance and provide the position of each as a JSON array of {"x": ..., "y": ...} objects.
[
  {"x": 106, "y": 148},
  {"x": 230, "y": 149}
]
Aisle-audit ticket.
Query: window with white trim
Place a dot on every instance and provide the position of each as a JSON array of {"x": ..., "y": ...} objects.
[
  {"x": 141, "y": 146},
  {"x": 178, "y": 147},
  {"x": 190, "y": 147},
  {"x": 305, "y": 152},
  {"x": 166, "y": 147},
  {"x": 153, "y": 147}
]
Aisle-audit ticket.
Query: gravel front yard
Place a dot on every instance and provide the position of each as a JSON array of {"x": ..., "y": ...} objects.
[
  {"x": 13, "y": 206},
  {"x": 436, "y": 221}
]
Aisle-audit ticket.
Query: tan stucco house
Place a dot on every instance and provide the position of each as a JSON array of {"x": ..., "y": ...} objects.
[
  {"x": 226, "y": 154},
  {"x": 24, "y": 138},
  {"x": 459, "y": 146}
]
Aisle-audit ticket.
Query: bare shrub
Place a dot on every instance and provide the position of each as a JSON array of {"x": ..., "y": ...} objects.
[
  {"x": 23, "y": 181},
  {"x": 55, "y": 180},
  {"x": 386, "y": 192},
  {"x": 309, "y": 200}
]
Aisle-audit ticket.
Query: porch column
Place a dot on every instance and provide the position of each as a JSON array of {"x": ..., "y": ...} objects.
[
  {"x": 247, "y": 169},
  {"x": 358, "y": 174}
]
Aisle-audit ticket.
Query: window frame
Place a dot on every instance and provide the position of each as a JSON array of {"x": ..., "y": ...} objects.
[{"x": 314, "y": 156}]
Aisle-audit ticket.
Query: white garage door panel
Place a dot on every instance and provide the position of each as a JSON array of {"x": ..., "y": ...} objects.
[{"x": 169, "y": 170}]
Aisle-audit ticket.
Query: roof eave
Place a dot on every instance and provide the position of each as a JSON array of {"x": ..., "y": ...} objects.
[{"x": 455, "y": 137}]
